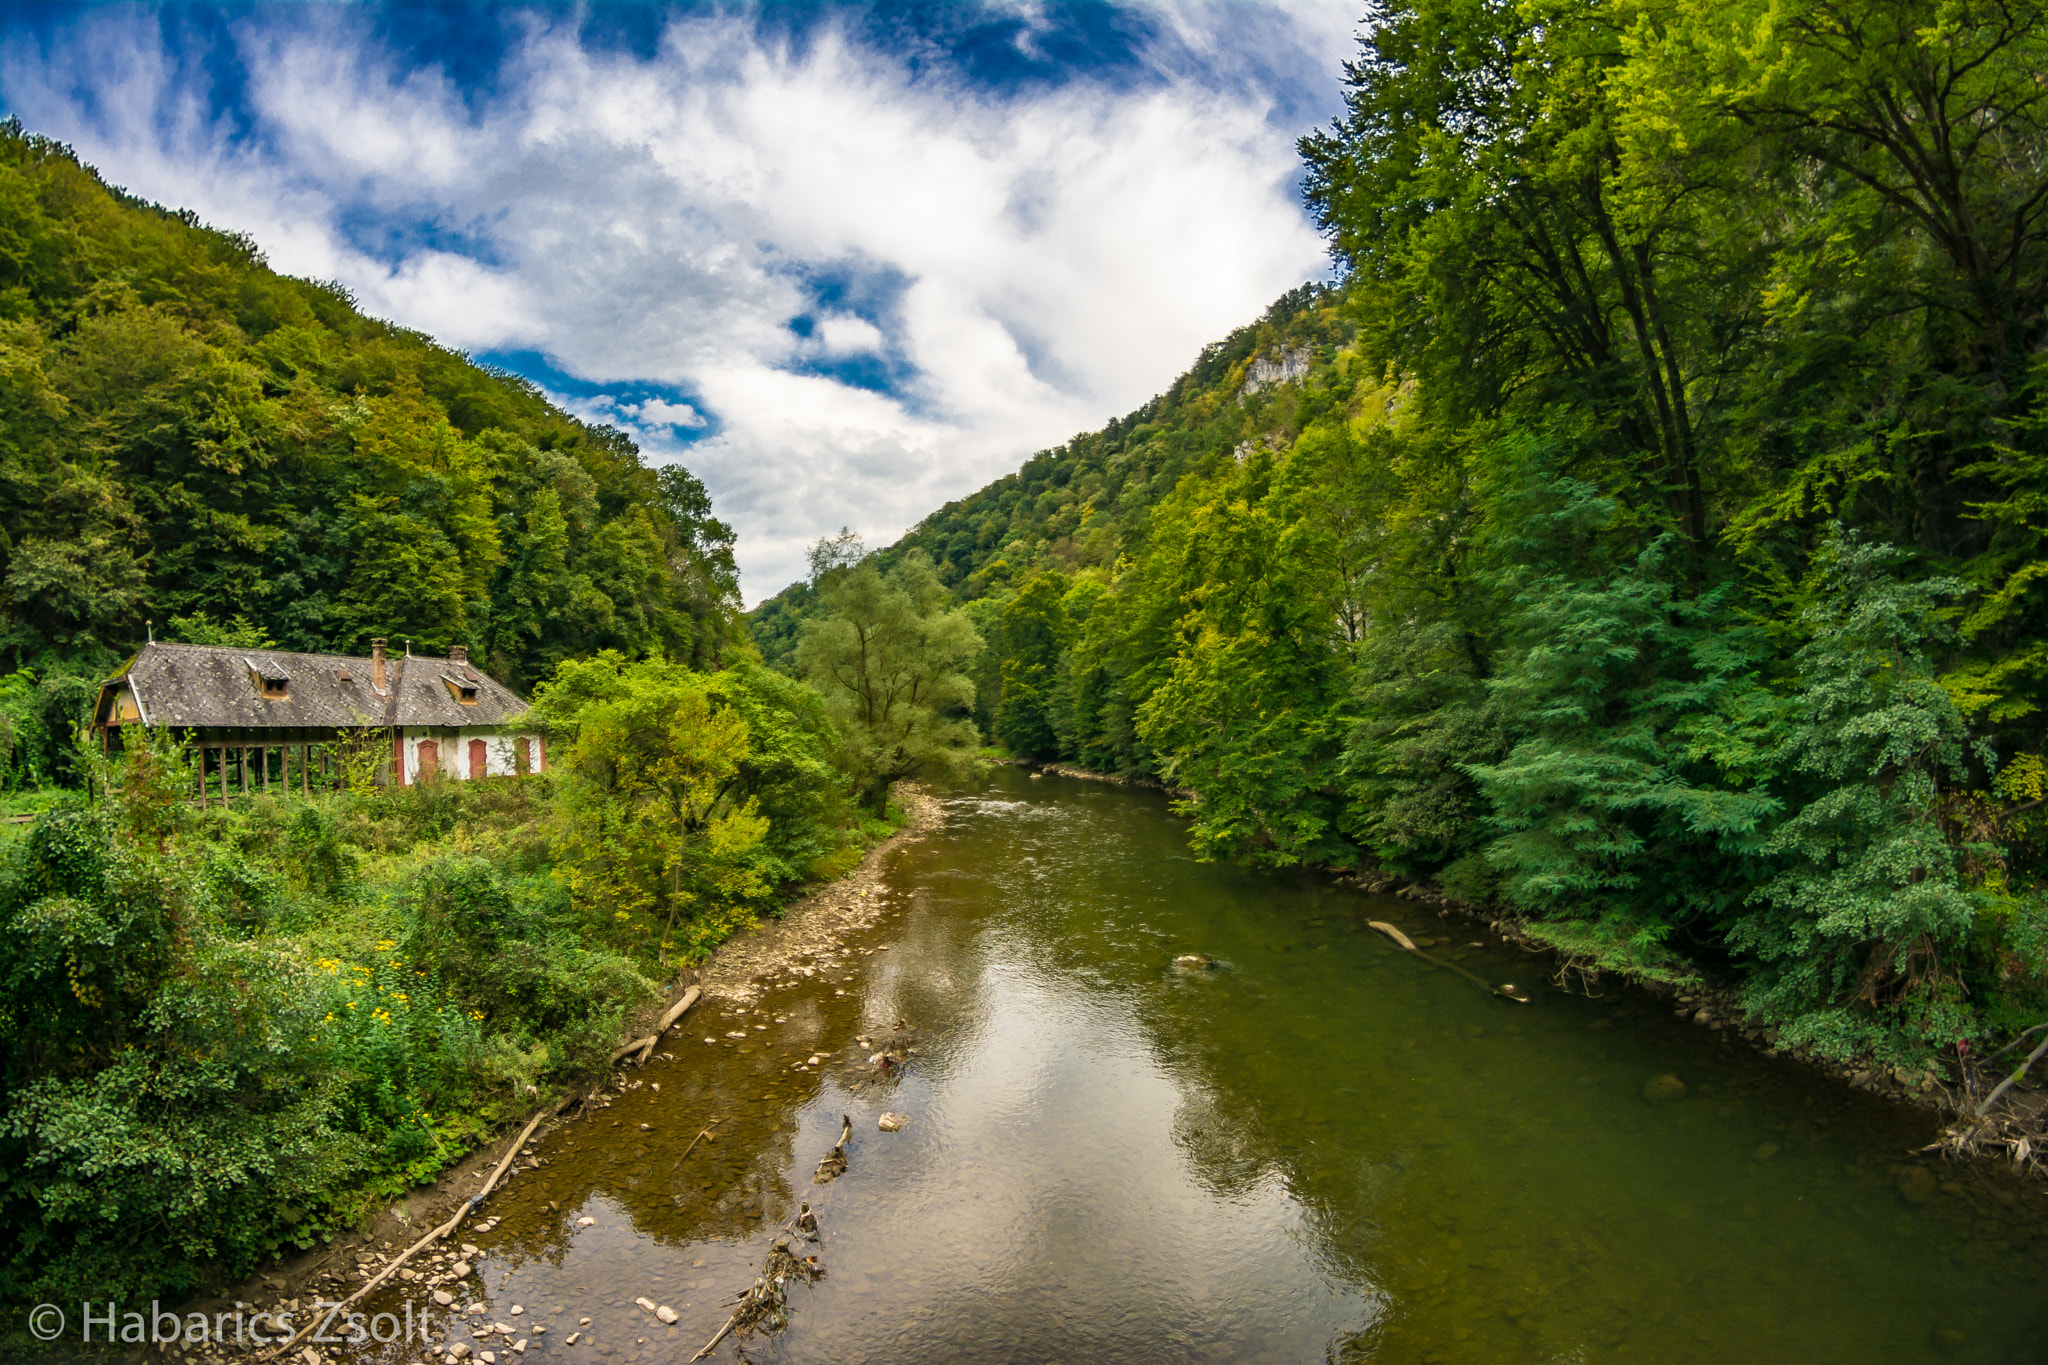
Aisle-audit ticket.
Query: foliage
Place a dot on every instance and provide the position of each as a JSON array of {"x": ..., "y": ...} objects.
[
  {"x": 189, "y": 437},
  {"x": 886, "y": 650},
  {"x": 1644, "y": 535},
  {"x": 651, "y": 824},
  {"x": 228, "y": 1032}
]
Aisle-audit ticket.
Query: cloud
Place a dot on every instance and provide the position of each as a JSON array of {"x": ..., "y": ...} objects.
[{"x": 865, "y": 284}]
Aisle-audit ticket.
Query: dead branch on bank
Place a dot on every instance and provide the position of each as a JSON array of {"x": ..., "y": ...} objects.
[
  {"x": 1573, "y": 966},
  {"x": 2013, "y": 1079},
  {"x": 2018, "y": 1129},
  {"x": 468, "y": 1206},
  {"x": 645, "y": 1046}
]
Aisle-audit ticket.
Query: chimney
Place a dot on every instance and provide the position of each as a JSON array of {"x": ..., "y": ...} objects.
[
  {"x": 459, "y": 655},
  {"x": 377, "y": 663}
]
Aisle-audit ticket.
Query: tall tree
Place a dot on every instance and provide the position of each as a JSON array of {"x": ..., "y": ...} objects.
[{"x": 889, "y": 650}]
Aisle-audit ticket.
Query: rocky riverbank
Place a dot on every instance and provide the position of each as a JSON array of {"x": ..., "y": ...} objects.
[{"x": 807, "y": 938}]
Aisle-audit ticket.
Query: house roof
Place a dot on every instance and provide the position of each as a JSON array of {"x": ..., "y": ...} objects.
[{"x": 219, "y": 686}]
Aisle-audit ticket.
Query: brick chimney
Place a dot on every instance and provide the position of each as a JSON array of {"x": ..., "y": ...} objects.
[
  {"x": 459, "y": 655},
  {"x": 377, "y": 663}
]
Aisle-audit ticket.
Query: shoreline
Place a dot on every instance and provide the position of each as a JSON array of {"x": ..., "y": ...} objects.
[
  {"x": 1706, "y": 1004},
  {"x": 737, "y": 971}
]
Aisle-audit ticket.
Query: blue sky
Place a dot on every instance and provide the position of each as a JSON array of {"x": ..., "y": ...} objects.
[{"x": 844, "y": 261}]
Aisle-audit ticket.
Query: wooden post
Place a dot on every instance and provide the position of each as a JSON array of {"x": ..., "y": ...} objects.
[
  {"x": 223, "y": 777},
  {"x": 202, "y": 779},
  {"x": 243, "y": 750}
]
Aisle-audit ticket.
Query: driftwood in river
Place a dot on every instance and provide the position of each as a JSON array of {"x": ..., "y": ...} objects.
[
  {"x": 1507, "y": 991},
  {"x": 834, "y": 1164},
  {"x": 764, "y": 1304}
]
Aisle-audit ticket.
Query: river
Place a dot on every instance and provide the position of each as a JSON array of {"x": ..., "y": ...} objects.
[{"x": 1321, "y": 1150}]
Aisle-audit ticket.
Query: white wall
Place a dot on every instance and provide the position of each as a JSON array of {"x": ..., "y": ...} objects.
[{"x": 500, "y": 755}]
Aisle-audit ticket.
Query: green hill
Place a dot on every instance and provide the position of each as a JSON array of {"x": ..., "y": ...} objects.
[
  {"x": 187, "y": 435},
  {"x": 1646, "y": 538}
]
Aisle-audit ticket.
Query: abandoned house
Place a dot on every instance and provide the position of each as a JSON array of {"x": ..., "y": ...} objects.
[{"x": 268, "y": 720}]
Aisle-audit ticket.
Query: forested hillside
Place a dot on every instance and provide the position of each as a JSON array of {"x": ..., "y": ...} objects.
[
  {"x": 188, "y": 437},
  {"x": 1645, "y": 535},
  {"x": 227, "y": 1032}
]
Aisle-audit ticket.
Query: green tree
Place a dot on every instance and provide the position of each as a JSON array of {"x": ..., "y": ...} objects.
[
  {"x": 1866, "y": 908},
  {"x": 888, "y": 651},
  {"x": 1033, "y": 622},
  {"x": 651, "y": 827}
]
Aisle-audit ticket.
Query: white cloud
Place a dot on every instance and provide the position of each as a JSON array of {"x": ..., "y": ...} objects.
[
  {"x": 842, "y": 334},
  {"x": 1027, "y": 264},
  {"x": 664, "y": 414}
]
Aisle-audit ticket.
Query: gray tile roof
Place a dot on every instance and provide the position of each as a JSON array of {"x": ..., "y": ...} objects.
[{"x": 217, "y": 686}]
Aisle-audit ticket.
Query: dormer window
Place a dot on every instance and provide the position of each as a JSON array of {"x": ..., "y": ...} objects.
[
  {"x": 272, "y": 682},
  {"x": 461, "y": 689}
]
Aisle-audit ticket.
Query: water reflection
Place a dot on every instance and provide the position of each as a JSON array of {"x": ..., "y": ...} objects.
[{"x": 1318, "y": 1150}]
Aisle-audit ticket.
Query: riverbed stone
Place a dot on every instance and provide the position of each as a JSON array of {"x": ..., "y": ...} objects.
[
  {"x": 443, "y": 1297},
  {"x": 893, "y": 1123},
  {"x": 1917, "y": 1184},
  {"x": 1664, "y": 1089},
  {"x": 1765, "y": 1151},
  {"x": 665, "y": 1313}
]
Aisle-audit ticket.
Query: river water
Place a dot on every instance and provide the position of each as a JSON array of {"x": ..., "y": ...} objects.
[{"x": 1321, "y": 1150}]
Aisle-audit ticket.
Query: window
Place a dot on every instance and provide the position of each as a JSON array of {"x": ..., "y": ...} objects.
[
  {"x": 272, "y": 682},
  {"x": 461, "y": 689}
]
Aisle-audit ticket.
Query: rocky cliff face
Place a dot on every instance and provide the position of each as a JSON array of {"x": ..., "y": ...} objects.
[{"x": 1280, "y": 368}]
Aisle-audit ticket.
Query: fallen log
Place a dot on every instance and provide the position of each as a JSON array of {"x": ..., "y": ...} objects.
[
  {"x": 1506, "y": 992},
  {"x": 1395, "y": 934},
  {"x": 645, "y": 1046},
  {"x": 469, "y": 1206}
]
